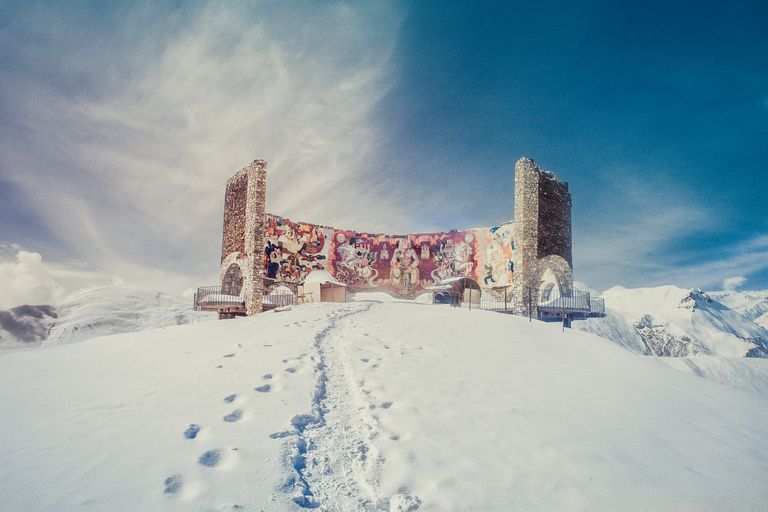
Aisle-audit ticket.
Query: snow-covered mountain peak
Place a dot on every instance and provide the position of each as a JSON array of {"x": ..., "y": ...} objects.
[{"x": 695, "y": 298}]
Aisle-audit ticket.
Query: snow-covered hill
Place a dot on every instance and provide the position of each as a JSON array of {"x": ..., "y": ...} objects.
[
  {"x": 109, "y": 310},
  {"x": 753, "y": 305},
  {"x": 375, "y": 406},
  {"x": 670, "y": 321}
]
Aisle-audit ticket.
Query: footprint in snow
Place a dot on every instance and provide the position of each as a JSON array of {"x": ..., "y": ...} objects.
[
  {"x": 386, "y": 405},
  {"x": 173, "y": 484},
  {"x": 292, "y": 369},
  {"x": 263, "y": 389},
  {"x": 211, "y": 458},
  {"x": 267, "y": 376},
  {"x": 234, "y": 416},
  {"x": 229, "y": 355},
  {"x": 230, "y": 398},
  {"x": 192, "y": 431}
]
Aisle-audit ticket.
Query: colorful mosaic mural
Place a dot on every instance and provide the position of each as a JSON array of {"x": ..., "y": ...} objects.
[
  {"x": 293, "y": 250},
  {"x": 497, "y": 248},
  {"x": 405, "y": 265}
]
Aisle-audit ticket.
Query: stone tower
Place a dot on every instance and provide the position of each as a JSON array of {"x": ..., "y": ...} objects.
[
  {"x": 542, "y": 233},
  {"x": 242, "y": 248}
]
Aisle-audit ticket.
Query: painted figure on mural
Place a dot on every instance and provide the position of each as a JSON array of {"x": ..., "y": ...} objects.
[
  {"x": 453, "y": 259},
  {"x": 288, "y": 239},
  {"x": 404, "y": 271},
  {"x": 463, "y": 255},
  {"x": 357, "y": 260},
  {"x": 498, "y": 254},
  {"x": 291, "y": 250}
]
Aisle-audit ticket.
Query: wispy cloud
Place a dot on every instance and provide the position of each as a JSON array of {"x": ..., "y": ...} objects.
[
  {"x": 732, "y": 283},
  {"x": 129, "y": 169}
]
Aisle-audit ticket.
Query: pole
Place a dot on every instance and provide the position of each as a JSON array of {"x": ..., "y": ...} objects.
[
  {"x": 529, "y": 303},
  {"x": 562, "y": 310}
]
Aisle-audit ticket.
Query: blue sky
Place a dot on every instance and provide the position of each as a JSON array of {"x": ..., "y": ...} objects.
[{"x": 120, "y": 124}]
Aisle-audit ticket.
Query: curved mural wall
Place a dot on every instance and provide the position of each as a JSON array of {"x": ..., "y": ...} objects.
[{"x": 398, "y": 264}]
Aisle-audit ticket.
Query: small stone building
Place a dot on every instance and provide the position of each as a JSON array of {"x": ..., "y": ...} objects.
[{"x": 529, "y": 258}]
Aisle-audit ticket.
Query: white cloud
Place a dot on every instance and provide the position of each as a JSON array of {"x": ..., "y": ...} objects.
[
  {"x": 26, "y": 279},
  {"x": 732, "y": 283}
]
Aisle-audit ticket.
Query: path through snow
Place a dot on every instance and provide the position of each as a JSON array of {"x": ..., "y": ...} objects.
[{"x": 333, "y": 448}]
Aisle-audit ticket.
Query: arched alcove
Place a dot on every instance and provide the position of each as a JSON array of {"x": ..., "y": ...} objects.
[
  {"x": 555, "y": 277},
  {"x": 232, "y": 282}
]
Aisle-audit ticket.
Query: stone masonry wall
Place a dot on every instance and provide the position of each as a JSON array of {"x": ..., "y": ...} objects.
[
  {"x": 542, "y": 229},
  {"x": 254, "y": 235},
  {"x": 526, "y": 230},
  {"x": 244, "y": 224},
  {"x": 554, "y": 233},
  {"x": 235, "y": 200}
]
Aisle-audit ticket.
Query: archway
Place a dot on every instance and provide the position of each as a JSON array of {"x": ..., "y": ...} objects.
[{"x": 554, "y": 277}]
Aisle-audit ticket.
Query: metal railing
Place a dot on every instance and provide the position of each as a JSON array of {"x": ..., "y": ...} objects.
[
  {"x": 579, "y": 302},
  {"x": 497, "y": 300},
  {"x": 280, "y": 298},
  {"x": 597, "y": 306},
  {"x": 210, "y": 298}
]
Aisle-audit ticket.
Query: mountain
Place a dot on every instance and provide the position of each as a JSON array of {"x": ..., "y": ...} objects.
[
  {"x": 383, "y": 406},
  {"x": 753, "y": 305},
  {"x": 110, "y": 310},
  {"x": 672, "y": 322}
]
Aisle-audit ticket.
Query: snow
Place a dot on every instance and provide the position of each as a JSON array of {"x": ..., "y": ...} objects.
[
  {"x": 109, "y": 310},
  {"x": 321, "y": 276},
  {"x": 372, "y": 297},
  {"x": 753, "y": 305},
  {"x": 710, "y": 327},
  {"x": 376, "y": 406}
]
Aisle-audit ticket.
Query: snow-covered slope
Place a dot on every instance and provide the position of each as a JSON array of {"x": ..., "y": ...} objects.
[
  {"x": 670, "y": 321},
  {"x": 109, "y": 310},
  {"x": 374, "y": 407},
  {"x": 753, "y": 305}
]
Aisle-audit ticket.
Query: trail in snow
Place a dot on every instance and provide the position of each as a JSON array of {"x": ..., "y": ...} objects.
[{"x": 333, "y": 450}]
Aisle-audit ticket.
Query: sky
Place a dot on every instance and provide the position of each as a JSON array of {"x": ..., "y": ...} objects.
[{"x": 120, "y": 124}]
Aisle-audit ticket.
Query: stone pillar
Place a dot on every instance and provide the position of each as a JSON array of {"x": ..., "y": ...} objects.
[
  {"x": 255, "y": 224},
  {"x": 526, "y": 231}
]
